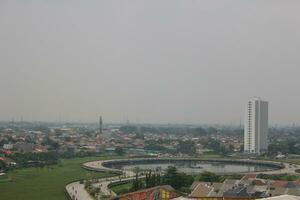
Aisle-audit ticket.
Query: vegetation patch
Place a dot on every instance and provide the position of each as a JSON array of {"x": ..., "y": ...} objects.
[
  {"x": 282, "y": 177},
  {"x": 122, "y": 188},
  {"x": 212, "y": 177}
]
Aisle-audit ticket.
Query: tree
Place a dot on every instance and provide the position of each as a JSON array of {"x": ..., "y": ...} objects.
[
  {"x": 154, "y": 145},
  {"x": 285, "y": 147},
  {"x": 176, "y": 179},
  {"x": 216, "y": 146},
  {"x": 223, "y": 151},
  {"x": 199, "y": 131},
  {"x": 42, "y": 128},
  {"x": 36, "y": 159},
  {"x": 242, "y": 148},
  {"x": 172, "y": 178},
  {"x": 212, "y": 130},
  {"x": 139, "y": 136},
  {"x": 48, "y": 142},
  {"x": 137, "y": 184},
  {"x": 209, "y": 177},
  {"x": 120, "y": 151},
  {"x": 128, "y": 129},
  {"x": 3, "y": 166},
  {"x": 231, "y": 148},
  {"x": 68, "y": 139},
  {"x": 187, "y": 147},
  {"x": 213, "y": 144}
]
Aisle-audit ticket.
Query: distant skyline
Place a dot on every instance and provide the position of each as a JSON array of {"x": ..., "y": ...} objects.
[{"x": 170, "y": 61}]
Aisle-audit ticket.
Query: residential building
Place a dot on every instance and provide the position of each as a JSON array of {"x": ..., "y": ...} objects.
[
  {"x": 256, "y": 126},
  {"x": 8, "y": 146}
]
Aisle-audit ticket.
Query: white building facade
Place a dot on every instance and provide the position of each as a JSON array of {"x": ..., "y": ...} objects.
[{"x": 256, "y": 126}]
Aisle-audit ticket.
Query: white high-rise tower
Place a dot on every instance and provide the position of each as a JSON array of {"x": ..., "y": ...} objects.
[{"x": 256, "y": 126}]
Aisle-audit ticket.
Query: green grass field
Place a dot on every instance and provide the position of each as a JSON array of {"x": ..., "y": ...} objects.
[
  {"x": 45, "y": 184},
  {"x": 122, "y": 188}
]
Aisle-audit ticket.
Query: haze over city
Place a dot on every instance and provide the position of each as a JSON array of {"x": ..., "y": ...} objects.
[
  {"x": 148, "y": 61},
  {"x": 149, "y": 100}
]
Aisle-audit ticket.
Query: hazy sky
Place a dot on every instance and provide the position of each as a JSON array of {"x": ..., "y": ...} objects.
[{"x": 177, "y": 61}]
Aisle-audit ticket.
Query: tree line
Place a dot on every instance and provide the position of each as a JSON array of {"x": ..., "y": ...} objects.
[{"x": 178, "y": 180}]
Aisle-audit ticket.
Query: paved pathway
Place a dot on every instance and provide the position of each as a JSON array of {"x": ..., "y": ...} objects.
[
  {"x": 77, "y": 191},
  {"x": 98, "y": 166},
  {"x": 288, "y": 169}
]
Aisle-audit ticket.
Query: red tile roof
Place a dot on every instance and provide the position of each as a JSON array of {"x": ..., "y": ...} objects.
[
  {"x": 249, "y": 176},
  {"x": 280, "y": 183}
]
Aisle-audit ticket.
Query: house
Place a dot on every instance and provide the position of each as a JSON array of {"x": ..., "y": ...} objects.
[
  {"x": 164, "y": 192},
  {"x": 201, "y": 190},
  {"x": 282, "y": 197},
  {"x": 24, "y": 147},
  {"x": 279, "y": 183},
  {"x": 249, "y": 176},
  {"x": 219, "y": 188},
  {"x": 6, "y": 152},
  {"x": 205, "y": 189},
  {"x": 293, "y": 191},
  {"x": 8, "y": 161},
  {"x": 277, "y": 190},
  {"x": 238, "y": 191},
  {"x": 8, "y": 146}
]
